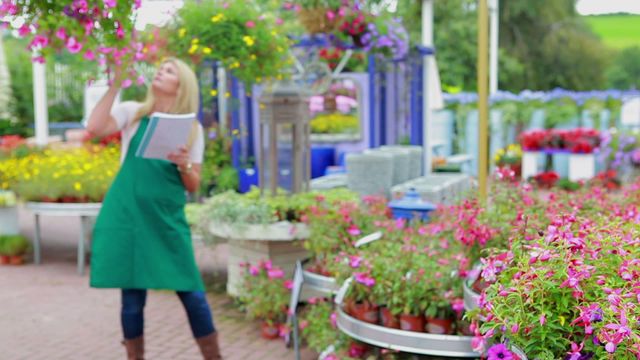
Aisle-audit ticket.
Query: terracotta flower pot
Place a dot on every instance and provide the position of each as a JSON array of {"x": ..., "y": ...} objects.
[
  {"x": 412, "y": 322},
  {"x": 270, "y": 331},
  {"x": 16, "y": 260},
  {"x": 439, "y": 326},
  {"x": 388, "y": 319},
  {"x": 366, "y": 312},
  {"x": 4, "y": 259}
]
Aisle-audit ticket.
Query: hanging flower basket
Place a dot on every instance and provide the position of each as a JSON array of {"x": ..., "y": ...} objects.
[{"x": 317, "y": 20}]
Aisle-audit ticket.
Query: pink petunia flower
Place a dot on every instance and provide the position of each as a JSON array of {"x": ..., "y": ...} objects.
[
  {"x": 250, "y": 24},
  {"x": 275, "y": 273},
  {"x": 73, "y": 45},
  {"x": 89, "y": 55},
  {"x": 110, "y": 3}
]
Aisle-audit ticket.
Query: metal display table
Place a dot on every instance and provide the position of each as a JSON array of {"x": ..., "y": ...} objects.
[
  {"x": 401, "y": 340},
  {"x": 406, "y": 341},
  {"x": 323, "y": 284},
  {"x": 83, "y": 210}
]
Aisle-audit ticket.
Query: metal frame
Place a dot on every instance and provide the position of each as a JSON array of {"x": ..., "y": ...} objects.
[
  {"x": 84, "y": 211},
  {"x": 320, "y": 283},
  {"x": 406, "y": 341}
]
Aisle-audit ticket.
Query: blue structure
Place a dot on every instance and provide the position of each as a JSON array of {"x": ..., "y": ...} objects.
[
  {"x": 411, "y": 207},
  {"x": 379, "y": 111}
]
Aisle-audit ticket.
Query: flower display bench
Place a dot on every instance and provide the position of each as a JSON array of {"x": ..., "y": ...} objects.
[
  {"x": 401, "y": 340},
  {"x": 86, "y": 212},
  {"x": 279, "y": 242},
  {"x": 320, "y": 283},
  {"x": 580, "y": 166}
]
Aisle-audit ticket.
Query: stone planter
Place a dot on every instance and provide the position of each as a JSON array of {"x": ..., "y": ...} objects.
[
  {"x": 277, "y": 242},
  {"x": 9, "y": 220}
]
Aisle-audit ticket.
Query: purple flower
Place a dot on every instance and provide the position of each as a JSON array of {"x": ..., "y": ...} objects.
[{"x": 499, "y": 352}]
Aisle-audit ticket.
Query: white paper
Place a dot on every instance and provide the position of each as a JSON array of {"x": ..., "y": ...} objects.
[{"x": 165, "y": 134}]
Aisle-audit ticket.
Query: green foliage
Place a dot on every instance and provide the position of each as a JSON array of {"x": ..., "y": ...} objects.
[
  {"x": 265, "y": 294},
  {"x": 218, "y": 174},
  {"x": 335, "y": 123},
  {"x": 232, "y": 33},
  {"x": 543, "y": 44},
  {"x": 617, "y": 31},
  {"x": 624, "y": 73},
  {"x": 13, "y": 245},
  {"x": 319, "y": 332},
  {"x": 553, "y": 44},
  {"x": 65, "y": 97}
]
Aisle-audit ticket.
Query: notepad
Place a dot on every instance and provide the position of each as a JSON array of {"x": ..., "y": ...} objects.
[{"x": 165, "y": 134}]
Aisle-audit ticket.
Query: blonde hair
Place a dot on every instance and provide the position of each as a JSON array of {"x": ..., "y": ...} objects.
[{"x": 187, "y": 98}]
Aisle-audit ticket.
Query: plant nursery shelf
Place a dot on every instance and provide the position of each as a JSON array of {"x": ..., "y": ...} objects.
[
  {"x": 406, "y": 341},
  {"x": 83, "y": 210},
  {"x": 320, "y": 283}
]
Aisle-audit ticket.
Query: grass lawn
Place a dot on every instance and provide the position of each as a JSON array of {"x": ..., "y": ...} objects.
[{"x": 617, "y": 31}]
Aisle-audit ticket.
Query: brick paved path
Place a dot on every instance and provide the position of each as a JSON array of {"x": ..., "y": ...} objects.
[{"x": 49, "y": 311}]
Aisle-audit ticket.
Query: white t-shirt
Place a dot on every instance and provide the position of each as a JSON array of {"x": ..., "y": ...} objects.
[{"x": 124, "y": 112}]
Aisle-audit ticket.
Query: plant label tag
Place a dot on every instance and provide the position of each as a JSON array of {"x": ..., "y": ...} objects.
[
  {"x": 369, "y": 239},
  {"x": 328, "y": 351}
]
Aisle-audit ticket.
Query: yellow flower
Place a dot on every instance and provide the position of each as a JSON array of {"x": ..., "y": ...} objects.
[
  {"x": 217, "y": 18},
  {"x": 193, "y": 49},
  {"x": 258, "y": 79},
  {"x": 227, "y": 94},
  {"x": 279, "y": 49},
  {"x": 235, "y": 132},
  {"x": 261, "y": 106},
  {"x": 252, "y": 56},
  {"x": 77, "y": 186},
  {"x": 214, "y": 92},
  {"x": 248, "y": 40},
  {"x": 206, "y": 50},
  {"x": 234, "y": 65},
  {"x": 195, "y": 41},
  {"x": 279, "y": 77},
  {"x": 562, "y": 320},
  {"x": 182, "y": 32}
]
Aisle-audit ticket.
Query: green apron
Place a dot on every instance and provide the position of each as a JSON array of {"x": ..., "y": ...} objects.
[{"x": 141, "y": 239}]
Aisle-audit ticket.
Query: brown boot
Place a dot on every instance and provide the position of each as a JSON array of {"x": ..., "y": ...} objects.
[
  {"x": 135, "y": 348},
  {"x": 209, "y": 347}
]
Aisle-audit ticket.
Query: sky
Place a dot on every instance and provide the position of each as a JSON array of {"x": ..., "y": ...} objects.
[
  {"x": 155, "y": 11},
  {"x": 594, "y": 7}
]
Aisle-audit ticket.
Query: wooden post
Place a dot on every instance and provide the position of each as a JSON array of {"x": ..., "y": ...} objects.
[{"x": 483, "y": 96}]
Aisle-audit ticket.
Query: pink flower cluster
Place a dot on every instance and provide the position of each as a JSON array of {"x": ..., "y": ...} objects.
[
  {"x": 577, "y": 282},
  {"x": 97, "y": 30}
]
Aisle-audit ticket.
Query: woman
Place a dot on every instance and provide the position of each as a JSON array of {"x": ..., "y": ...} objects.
[{"x": 141, "y": 238}]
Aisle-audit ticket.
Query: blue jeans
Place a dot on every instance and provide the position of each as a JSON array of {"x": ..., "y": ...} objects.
[{"x": 195, "y": 303}]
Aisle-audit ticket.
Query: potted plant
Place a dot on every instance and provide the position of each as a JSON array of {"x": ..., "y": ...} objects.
[
  {"x": 4, "y": 257},
  {"x": 319, "y": 16},
  {"x": 510, "y": 157},
  {"x": 265, "y": 296},
  {"x": 15, "y": 247},
  {"x": 566, "y": 291},
  {"x": 237, "y": 33}
]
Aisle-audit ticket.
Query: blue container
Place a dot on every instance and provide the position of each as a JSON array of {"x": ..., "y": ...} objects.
[
  {"x": 247, "y": 179},
  {"x": 411, "y": 207},
  {"x": 321, "y": 158}
]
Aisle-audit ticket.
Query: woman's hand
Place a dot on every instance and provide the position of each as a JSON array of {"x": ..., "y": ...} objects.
[
  {"x": 180, "y": 158},
  {"x": 190, "y": 173}
]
